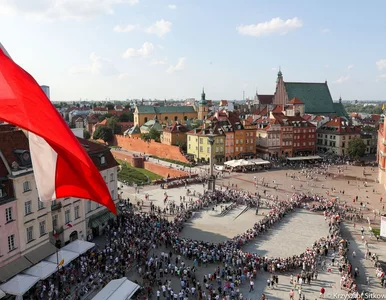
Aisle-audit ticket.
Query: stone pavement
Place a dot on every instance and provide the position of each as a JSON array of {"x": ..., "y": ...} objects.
[{"x": 293, "y": 234}]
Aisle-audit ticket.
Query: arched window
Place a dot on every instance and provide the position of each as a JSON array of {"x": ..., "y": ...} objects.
[
  {"x": 185, "y": 118},
  {"x": 145, "y": 119},
  {"x": 175, "y": 118},
  {"x": 166, "y": 118}
]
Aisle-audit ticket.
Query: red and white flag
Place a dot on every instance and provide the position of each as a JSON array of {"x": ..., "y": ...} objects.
[
  {"x": 69, "y": 224},
  {"x": 62, "y": 168}
]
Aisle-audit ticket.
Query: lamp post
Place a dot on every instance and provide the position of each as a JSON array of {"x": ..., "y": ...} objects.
[{"x": 212, "y": 180}]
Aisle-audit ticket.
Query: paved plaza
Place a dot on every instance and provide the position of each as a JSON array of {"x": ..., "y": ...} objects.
[{"x": 290, "y": 236}]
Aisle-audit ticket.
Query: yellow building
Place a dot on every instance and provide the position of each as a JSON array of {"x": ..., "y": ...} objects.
[
  {"x": 174, "y": 135},
  {"x": 170, "y": 114},
  {"x": 164, "y": 114},
  {"x": 198, "y": 145}
]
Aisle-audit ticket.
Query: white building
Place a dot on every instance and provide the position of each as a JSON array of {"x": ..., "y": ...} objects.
[{"x": 333, "y": 137}]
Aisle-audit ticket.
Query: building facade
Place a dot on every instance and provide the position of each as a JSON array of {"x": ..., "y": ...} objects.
[
  {"x": 199, "y": 147},
  {"x": 381, "y": 153},
  {"x": 333, "y": 136},
  {"x": 30, "y": 228},
  {"x": 174, "y": 135}
]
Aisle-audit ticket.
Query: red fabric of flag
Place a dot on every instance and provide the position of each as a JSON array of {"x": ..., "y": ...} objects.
[{"x": 62, "y": 167}]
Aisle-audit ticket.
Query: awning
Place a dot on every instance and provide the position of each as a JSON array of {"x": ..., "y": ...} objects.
[
  {"x": 13, "y": 268},
  {"x": 310, "y": 157},
  {"x": 79, "y": 246},
  {"x": 19, "y": 285},
  {"x": 40, "y": 253},
  {"x": 119, "y": 289},
  {"x": 97, "y": 219},
  {"x": 43, "y": 270},
  {"x": 66, "y": 256}
]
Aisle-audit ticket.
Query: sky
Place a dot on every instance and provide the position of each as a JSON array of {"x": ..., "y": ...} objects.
[{"x": 125, "y": 49}]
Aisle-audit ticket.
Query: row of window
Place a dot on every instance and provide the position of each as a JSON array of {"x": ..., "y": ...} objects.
[
  {"x": 304, "y": 130},
  {"x": 297, "y": 137},
  {"x": 29, "y": 233}
]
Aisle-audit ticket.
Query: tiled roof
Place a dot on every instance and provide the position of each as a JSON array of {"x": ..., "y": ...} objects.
[
  {"x": 100, "y": 108},
  {"x": 316, "y": 96},
  {"x": 340, "y": 125},
  {"x": 125, "y": 125},
  {"x": 10, "y": 141},
  {"x": 278, "y": 109},
  {"x": 132, "y": 130},
  {"x": 296, "y": 101},
  {"x": 376, "y": 117},
  {"x": 265, "y": 99},
  {"x": 147, "y": 109},
  {"x": 340, "y": 111},
  {"x": 201, "y": 131},
  {"x": 263, "y": 112},
  {"x": 177, "y": 127},
  {"x": 307, "y": 117},
  {"x": 94, "y": 150},
  {"x": 79, "y": 119}
]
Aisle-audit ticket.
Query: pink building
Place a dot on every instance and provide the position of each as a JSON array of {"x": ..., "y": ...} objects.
[{"x": 9, "y": 231}]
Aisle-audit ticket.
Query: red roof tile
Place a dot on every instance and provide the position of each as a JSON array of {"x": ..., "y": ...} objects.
[
  {"x": 265, "y": 99},
  {"x": 296, "y": 101}
]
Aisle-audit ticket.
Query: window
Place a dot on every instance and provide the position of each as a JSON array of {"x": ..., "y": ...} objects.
[
  {"x": 55, "y": 221},
  {"x": 112, "y": 194},
  {"x": 166, "y": 118},
  {"x": 76, "y": 212},
  {"x": 67, "y": 216},
  {"x": 26, "y": 186},
  {"x": 105, "y": 179},
  {"x": 30, "y": 234},
  {"x": 27, "y": 207},
  {"x": 175, "y": 118},
  {"x": 103, "y": 160},
  {"x": 11, "y": 242},
  {"x": 40, "y": 204},
  {"x": 42, "y": 227},
  {"x": 200, "y": 148},
  {"x": 8, "y": 214},
  {"x": 88, "y": 206},
  {"x": 112, "y": 177},
  {"x": 145, "y": 119}
]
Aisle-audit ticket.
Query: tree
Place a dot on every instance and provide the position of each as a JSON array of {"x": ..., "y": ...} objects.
[
  {"x": 126, "y": 117},
  {"x": 103, "y": 133},
  {"x": 86, "y": 134},
  {"x": 145, "y": 137},
  {"x": 112, "y": 123},
  {"x": 356, "y": 147},
  {"x": 104, "y": 116},
  {"x": 155, "y": 135},
  {"x": 110, "y": 106}
]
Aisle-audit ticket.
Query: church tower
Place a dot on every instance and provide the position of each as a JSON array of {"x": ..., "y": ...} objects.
[
  {"x": 202, "y": 107},
  {"x": 280, "y": 97}
]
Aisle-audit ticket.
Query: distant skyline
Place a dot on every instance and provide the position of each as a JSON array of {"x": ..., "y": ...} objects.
[{"x": 124, "y": 49}]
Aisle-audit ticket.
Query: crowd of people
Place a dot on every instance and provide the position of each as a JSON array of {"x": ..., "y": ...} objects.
[{"x": 149, "y": 244}]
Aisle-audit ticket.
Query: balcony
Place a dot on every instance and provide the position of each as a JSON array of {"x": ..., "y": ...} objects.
[{"x": 56, "y": 206}]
